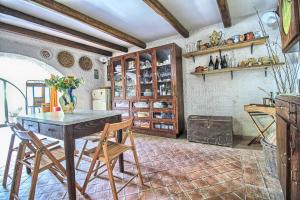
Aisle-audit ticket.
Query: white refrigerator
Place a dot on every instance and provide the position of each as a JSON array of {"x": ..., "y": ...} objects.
[{"x": 101, "y": 99}]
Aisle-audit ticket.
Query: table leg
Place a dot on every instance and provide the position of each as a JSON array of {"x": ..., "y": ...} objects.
[
  {"x": 69, "y": 144},
  {"x": 121, "y": 158}
]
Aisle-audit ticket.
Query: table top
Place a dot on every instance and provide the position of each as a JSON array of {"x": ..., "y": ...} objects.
[
  {"x": 59, "y": 118},
  {"x": 268, "y": 110}
]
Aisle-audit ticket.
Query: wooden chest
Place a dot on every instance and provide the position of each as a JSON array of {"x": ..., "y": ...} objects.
[
  {"x": 215, "y": 130},
  {"x": 288, "y": 145}
]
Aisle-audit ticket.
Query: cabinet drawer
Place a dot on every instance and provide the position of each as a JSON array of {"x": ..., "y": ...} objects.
[
  {"x": 282, "y": 109},
  {"x": 53, "y": 131},
  {"x": 31, "y": 126}
]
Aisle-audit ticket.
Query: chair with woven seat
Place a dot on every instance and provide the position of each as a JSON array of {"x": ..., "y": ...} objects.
[
  {"x": 108, "y": 153},
  {"x": 11, "y": 149},
  {"x": 41, "y": 159}
]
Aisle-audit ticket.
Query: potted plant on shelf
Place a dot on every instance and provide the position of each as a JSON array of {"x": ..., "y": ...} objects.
[{"x": 66, "y": 85}]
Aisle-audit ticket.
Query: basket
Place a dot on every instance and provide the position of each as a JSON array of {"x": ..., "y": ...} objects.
[{"x": 270, "y": 157}]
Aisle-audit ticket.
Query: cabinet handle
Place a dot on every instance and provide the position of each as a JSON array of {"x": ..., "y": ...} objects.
[
  {"x": 51, "y": 129},
  {"x": 29, "y": 125}
]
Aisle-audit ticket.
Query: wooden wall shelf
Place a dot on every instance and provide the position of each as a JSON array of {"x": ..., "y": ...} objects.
[
  {"x": 232, "y": 69},
  {"x": 227, "y": 47}
]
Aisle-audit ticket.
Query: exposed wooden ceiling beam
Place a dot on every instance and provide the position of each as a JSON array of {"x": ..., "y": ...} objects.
[
  {"x": 54, "y": 39},
  {"x": 162, "y": 11},
  {"x": 65, "y": 10},
  {"x": 20, "y": 15},
  {"x": 224, "y": 11}
]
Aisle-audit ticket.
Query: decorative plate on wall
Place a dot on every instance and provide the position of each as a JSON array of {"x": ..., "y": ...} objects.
[
  {"x": 65, "y": 59},
  {"x": 46, "y": 54},
  {"x": 85, "y": 63}
]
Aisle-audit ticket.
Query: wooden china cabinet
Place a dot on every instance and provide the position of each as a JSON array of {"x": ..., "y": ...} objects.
[
  {"x": 147, "y": 85},
  {"x": 288, "y": 145}
]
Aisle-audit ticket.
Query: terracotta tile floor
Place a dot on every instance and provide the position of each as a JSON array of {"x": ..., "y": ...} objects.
[{"x": 174, "y": 169}]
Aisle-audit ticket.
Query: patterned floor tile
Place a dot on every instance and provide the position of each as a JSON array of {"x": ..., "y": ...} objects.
[{"x": 172, "y": 169}]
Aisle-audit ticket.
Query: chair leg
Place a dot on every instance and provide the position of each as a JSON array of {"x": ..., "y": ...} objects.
[
  {"x": 88, "y": 176},
  {"x": 54, "y": 172},
  {"x": 81, "y": 154},
  {"x": 97, "y": 166},
  {"x": 111, "y": 180},
  {"x": 110, "y": 173},
  {"x": 35, "y": 175},
  {"x": 136, "y": 159},
  {"x": 17, "y": 172},
  {"x": 8, "y": 159}
]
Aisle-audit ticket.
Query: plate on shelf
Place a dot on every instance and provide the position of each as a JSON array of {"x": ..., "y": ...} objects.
[
  {"x": 147, "y": 94},
  {"x": 118, "y": 68},
  {"x": 145, "y": 67},
  {"x": 141, "y": 105},
  {"x": 163, "y": 64}
]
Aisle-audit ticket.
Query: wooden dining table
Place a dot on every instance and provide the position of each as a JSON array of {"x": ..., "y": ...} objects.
[{"x": 69, "y": 127}]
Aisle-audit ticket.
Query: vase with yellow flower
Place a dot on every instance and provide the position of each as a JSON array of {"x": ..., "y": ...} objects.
[{"x": 66, "y": 85}]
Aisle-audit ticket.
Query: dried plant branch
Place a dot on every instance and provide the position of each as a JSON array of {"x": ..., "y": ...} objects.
[{"x": 285, "y": 76}]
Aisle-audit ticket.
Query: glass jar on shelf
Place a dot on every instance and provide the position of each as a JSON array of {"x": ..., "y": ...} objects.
[
  {"x": 146, "y": 74},
  {"x": 118, "y": 78},
  {"x": 130, "y": 76}
]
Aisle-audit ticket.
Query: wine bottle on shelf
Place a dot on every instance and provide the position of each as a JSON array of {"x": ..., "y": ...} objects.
[
  {"x": 211, "y": 63},
  {"x": 217, "y": 63},
  {"x": 224, "y": 62},
  {"x": 221, "y": 62},
  {"x": 227, "y": 60}
]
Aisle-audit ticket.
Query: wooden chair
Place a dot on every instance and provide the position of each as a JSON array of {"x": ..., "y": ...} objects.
[
  {"x": 11, "y": 149},
  {"x": 41, "y": 159},
  {"x": 108, "y": 152}
]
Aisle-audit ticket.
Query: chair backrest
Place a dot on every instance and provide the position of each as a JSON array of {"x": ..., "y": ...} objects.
[
  {"x": 111, "y": 128},
  {"x": 19, "y": 131},
  {"x": 26, "y": 136}
]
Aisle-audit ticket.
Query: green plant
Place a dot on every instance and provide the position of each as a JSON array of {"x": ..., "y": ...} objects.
[{"x": 64, "y": 83}]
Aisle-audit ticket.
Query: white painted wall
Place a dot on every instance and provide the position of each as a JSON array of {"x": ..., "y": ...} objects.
[
  {"x": 12, "y": 43},
  {"x": 219, "y": 95}
]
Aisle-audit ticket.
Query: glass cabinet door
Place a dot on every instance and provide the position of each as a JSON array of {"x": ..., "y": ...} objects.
[
  {"x": 145, "y": 74},
  {"x": 164, "y": 72},
  {"x": 118, "y": 78},
  {"x": 130, "y": 74}
]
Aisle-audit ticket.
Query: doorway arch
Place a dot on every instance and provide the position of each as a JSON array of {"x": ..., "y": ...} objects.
[{"x": 17, "y": 69}]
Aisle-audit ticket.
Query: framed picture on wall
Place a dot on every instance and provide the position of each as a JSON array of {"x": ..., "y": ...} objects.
[{"x": 96, "y": 74}]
